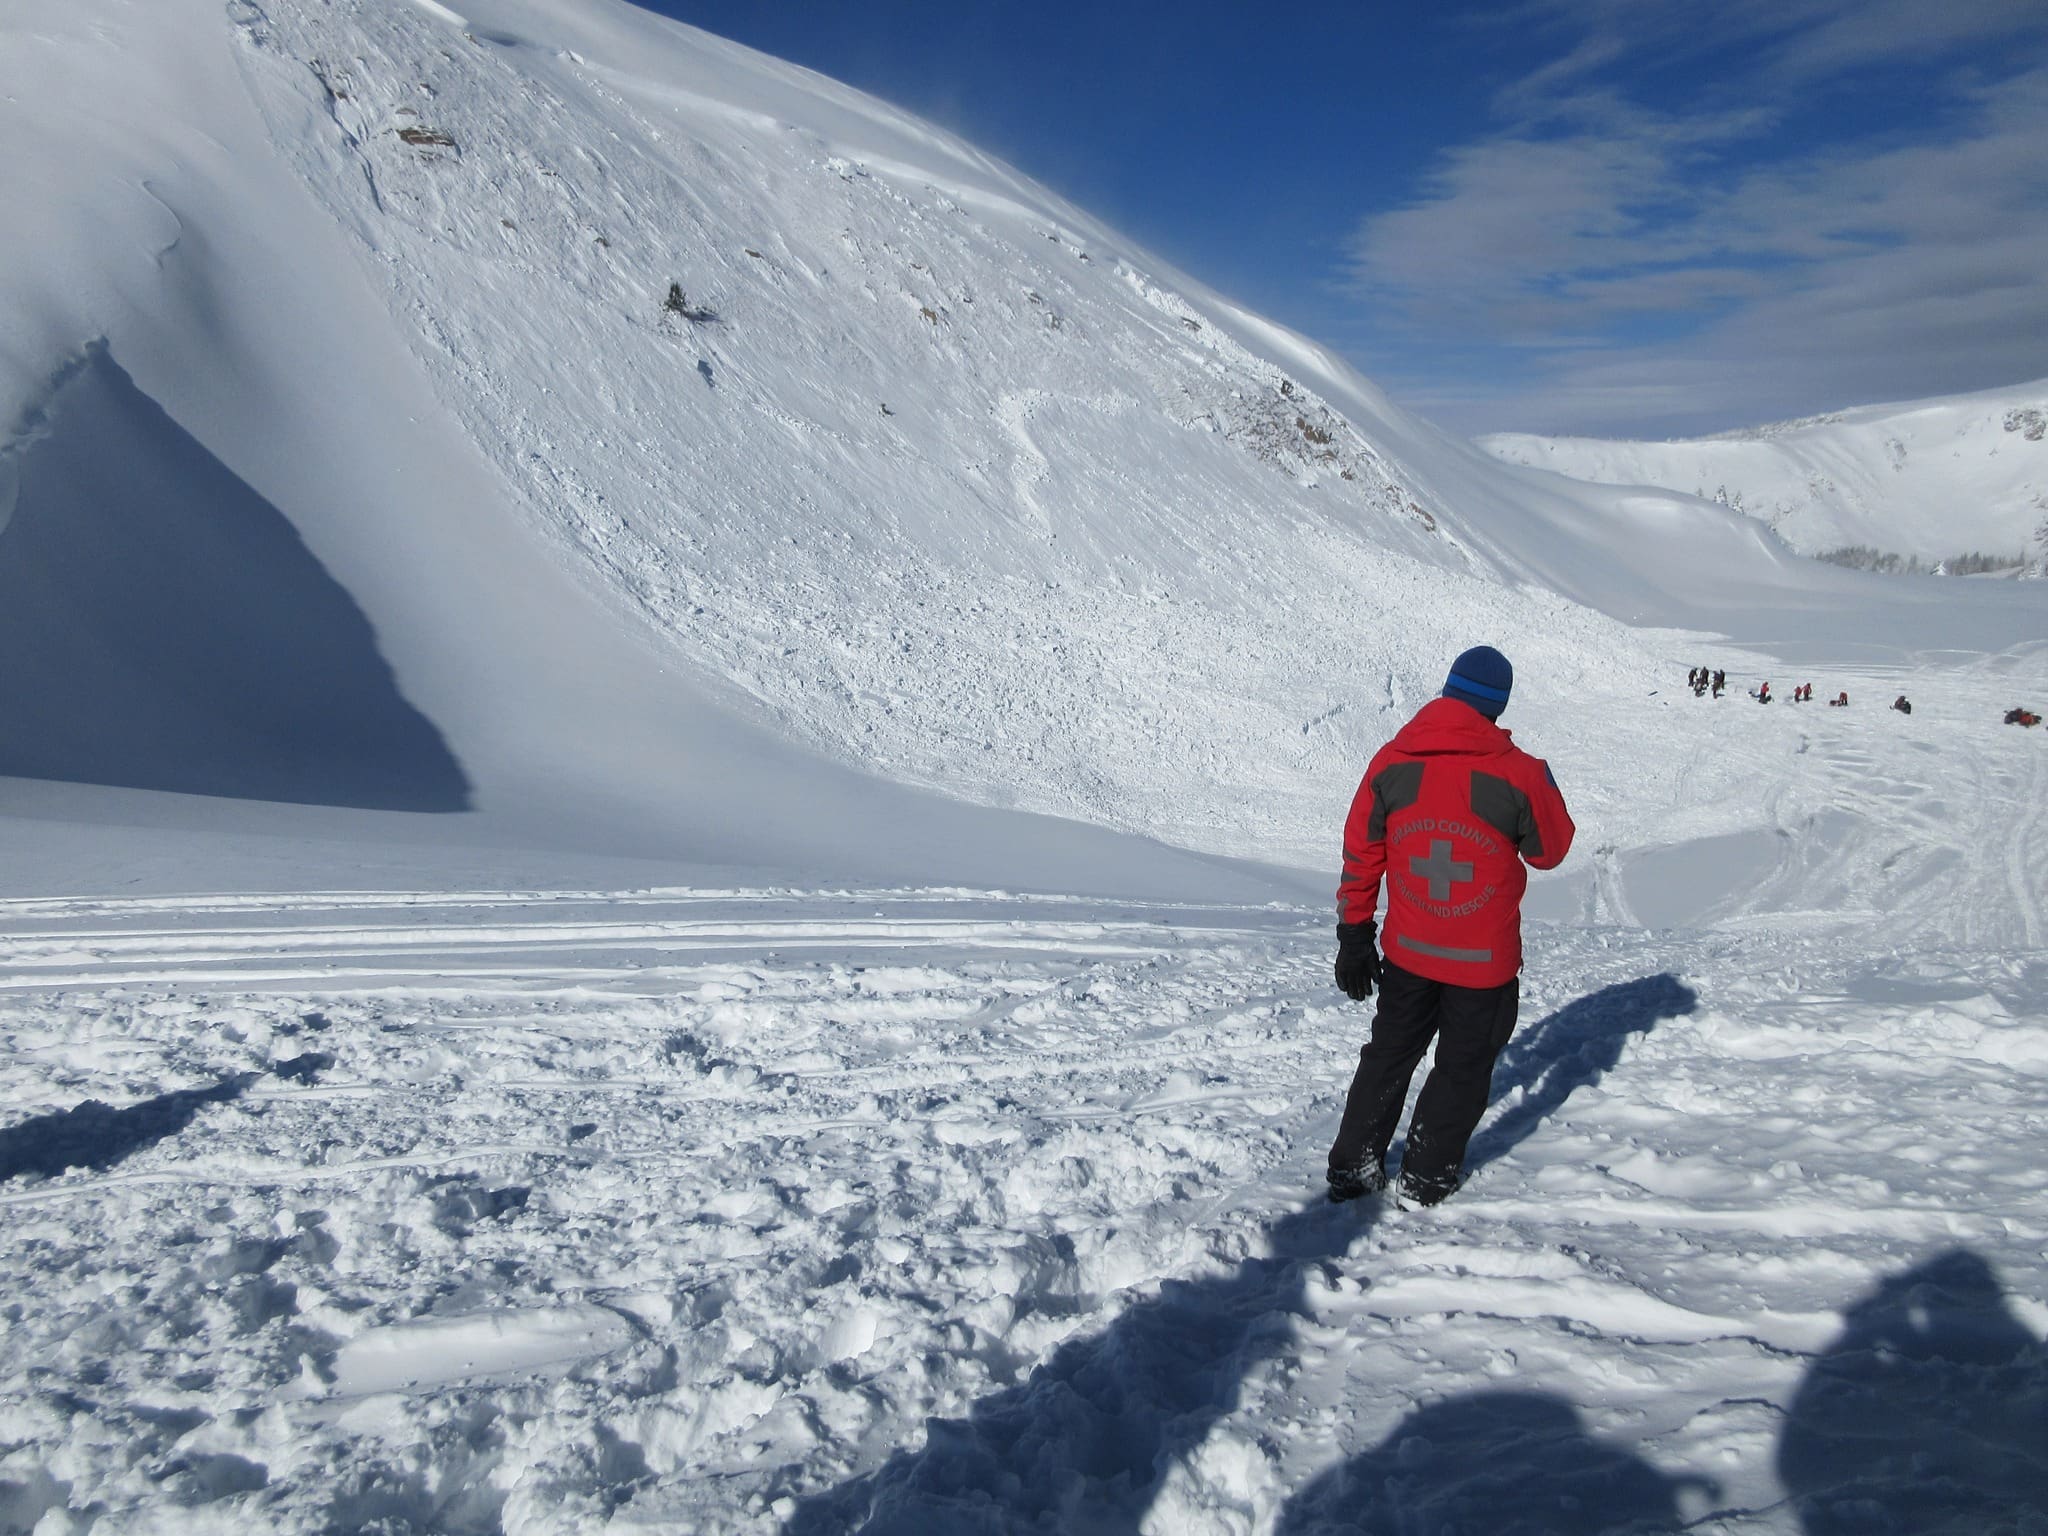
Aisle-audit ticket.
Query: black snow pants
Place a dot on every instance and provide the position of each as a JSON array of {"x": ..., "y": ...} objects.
[{"x": 1470, "y": 1025}]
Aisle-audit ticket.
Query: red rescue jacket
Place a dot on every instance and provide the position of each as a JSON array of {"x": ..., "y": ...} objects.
[{"x": 1449, "y": 811}]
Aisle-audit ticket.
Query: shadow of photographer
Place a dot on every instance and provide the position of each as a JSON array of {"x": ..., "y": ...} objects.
[
  {"x": 1928, "y": 1414},
  {"x": 1506, "y": 1463}
]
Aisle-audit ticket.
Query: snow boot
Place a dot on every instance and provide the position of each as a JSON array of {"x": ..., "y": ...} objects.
[
  {"x": 1414, "y": 1192},
  {"x": 1353, "y": 1183}
]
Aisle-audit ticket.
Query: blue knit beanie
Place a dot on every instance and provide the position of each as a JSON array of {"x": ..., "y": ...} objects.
[{"x": 1482, "y": 678}]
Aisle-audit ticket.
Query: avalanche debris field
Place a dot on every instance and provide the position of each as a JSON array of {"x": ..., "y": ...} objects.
[{"x": 954, "y": 1210}]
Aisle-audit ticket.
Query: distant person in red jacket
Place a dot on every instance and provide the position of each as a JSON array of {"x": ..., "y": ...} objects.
[{"x": 1448, "y": 813}]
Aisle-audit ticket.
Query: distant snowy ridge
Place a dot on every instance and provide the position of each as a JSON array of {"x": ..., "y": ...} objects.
[{"x": 1931, "y": 480}]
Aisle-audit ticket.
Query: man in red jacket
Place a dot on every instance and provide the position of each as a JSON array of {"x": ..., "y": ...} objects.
[{"x": 1448, "y": 813}]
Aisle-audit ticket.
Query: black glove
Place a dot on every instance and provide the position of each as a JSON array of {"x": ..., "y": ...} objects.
[{"x": 1358, "y": 959}]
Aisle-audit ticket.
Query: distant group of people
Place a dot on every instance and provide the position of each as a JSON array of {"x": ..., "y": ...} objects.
[
  {"x": 1803, "y": 694},
  {"x": 1711, "y": 680},
  {"x": 1705, "y": 680}
]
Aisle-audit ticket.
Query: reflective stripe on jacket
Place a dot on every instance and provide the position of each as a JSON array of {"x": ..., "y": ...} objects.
[{"x": 1448, "y": 813}]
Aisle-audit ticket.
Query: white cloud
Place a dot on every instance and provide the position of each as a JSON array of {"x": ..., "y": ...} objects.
[
  {"x": 1782, "y": 42},
  {"x": 1659, "y": 268}
]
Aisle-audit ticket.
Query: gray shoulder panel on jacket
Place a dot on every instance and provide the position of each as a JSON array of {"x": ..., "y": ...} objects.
[
  {"x": 1395, "y": 787},
  {"x": 1503, "y": 807}
]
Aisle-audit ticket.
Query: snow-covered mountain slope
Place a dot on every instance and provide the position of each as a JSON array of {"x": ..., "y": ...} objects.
[
  {"x": 243, "y": 345},
  {"x": 1932, "y": 479},
  {"x": 927, "y": 478}
]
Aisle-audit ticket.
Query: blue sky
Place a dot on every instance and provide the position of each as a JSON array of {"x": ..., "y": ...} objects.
[{"x": 1602, "y": 216}]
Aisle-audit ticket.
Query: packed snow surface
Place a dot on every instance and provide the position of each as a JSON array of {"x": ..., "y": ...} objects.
[
  {"x": 713, "y": 915},
  {"x": 1933, "y": 479},
  {"x": 944, "y": 1211}
]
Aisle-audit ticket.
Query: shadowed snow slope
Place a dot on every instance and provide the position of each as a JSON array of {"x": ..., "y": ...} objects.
[
  {"x": 1933, "y": 478},
  {"x": 166, "y": 628}
]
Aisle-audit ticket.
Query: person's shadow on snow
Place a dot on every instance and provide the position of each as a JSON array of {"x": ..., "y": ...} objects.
[
  {"x": 1571, "y": 1049},
  {"x": 1506, "y": 1463},
  {"x": 1082, "y": 1444},
  {"x": 1929, "y": 1414}
]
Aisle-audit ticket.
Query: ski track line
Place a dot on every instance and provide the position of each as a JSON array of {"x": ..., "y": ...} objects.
[
  {"x": 173, "y": 975},
  {"x": 2026, "y": 865},
  {"x": 30, "y": 949},
  {"x": 1620, "y": 1310},
  {"x": 184, "y": 967},
  {"x": 799, "y": 902},
  {"x": 287, "y": 1174}
]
